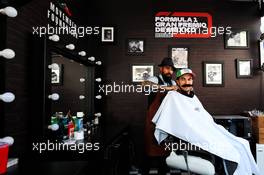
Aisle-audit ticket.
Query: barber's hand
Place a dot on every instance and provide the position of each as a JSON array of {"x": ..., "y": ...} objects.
[{"x": 170, "y": 88}]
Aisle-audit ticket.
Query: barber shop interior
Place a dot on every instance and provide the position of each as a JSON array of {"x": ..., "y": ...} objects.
[{"x": 164, "y": 87}]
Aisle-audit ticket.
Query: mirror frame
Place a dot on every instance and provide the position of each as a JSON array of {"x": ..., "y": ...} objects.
[{"x": 41, "y": 83}]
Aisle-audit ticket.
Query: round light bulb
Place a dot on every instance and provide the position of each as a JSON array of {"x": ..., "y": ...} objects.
[
  {"x": 7, "y": 97},
  {"x": 98, "y": 79},
  {"x": 82, "y": 80},
  {"x": 91, "y": 59},
  {"x": 82, "y": 53},
  {"x": 7, "y": 53},
  {"x": 9, "y": 11},
  {"x": 54, "y": 96},
  {"x": 81, "y": 97},
  {"x": 54, "y": 38},
  {"x": 98, "y": 63},
  {"x": 98, "y": 97},
  {"x": 70, "y": 46}
]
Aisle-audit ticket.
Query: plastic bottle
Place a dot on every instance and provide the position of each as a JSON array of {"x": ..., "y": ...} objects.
[
  {"x": 70, "y": 129},
  {"x": 80, "y": 120}
]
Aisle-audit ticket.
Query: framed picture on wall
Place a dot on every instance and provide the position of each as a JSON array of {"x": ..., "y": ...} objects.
[
  {"x": 57, "y": 74},
  {"x": 107, "y": 34},
  {"x": 213, "y": 73},
  {"x": 244, "y": 68},
  {"x": 237, "y": 39},
  {"x": 261, "y": 50},
  {"x": 141, "y": 72},
  {"x": 179, "y": 56},
  {"x": 135, "y": 46}
]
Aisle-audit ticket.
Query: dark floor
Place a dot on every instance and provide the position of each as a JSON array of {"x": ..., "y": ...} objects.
[{"x": 75, "y": 168}]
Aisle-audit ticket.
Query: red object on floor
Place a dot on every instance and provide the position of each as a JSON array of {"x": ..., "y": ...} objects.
[{"x": 3, "y": 157}]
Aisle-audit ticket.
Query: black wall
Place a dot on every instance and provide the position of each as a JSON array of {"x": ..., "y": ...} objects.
[
  {"x": 18, "y": 32},
  {"x": 136, "y": 20},
  {"x": 17, "y": 35}
]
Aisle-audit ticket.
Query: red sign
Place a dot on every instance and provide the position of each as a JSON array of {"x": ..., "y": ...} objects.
[{"x": 183, "y": 25}]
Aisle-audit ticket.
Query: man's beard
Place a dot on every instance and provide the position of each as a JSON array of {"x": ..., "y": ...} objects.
[{"x": 167, "y": 78}]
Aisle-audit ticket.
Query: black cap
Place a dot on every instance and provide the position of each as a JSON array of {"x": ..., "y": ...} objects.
[{"x": 167, "y": 61}]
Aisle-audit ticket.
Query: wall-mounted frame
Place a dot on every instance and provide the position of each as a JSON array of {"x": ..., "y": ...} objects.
[
  {"x": 107, "y": 34},
  {"x": 141, "y": 72},
  {"x": 213, "y": 73},
  {"x": 244, "y": 68},
  {"x": 261, "y": 51},
  {"x": 135, "y": 46},
  {"x": 57, "y": 75},
  {"x": 237, "y": 39},
  {"x": 179, "y": 55}
]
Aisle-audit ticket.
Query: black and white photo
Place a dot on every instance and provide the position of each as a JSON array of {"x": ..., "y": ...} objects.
[
  {"x": 142, "y": 72},
  {"x": 179, "y": 56},
  {"x": 107, "y": 34},
  {"x": 244, "y": 68},
  {"x": 135, "y": 46},
  {"x": 237, "y": 40},
  {"x": 213, "y": 73}
]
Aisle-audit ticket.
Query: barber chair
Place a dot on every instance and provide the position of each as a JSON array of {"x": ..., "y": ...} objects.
[{"x": 190, "y": 161}]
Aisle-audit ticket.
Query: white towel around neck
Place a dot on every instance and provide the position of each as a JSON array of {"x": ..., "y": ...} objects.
[{"x": 186, "y": 118}]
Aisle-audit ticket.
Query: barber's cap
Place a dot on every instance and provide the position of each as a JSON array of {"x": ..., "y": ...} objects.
[
  {"x": 181, "y": 72},
  {"x": 167, "y": 61}
]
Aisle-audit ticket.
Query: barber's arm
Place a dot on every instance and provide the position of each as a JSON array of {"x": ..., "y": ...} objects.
[
  {"x": 161, "y": 88},
  {"x": 170, "y": 88}
]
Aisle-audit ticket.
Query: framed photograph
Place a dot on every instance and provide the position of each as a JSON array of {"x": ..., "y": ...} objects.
[
  {"x": 142, "y": 72},
  {"x": 261, "y": 51},
  {"x": 179, "y": 56},
  {"x": 107, "y": 34},
  {"x": 244, "y": 68},
  {"x": 213, "y": 73},
  {"x": 135, "y": 46},
  {"x": 237, "y": 40},
  {"x": 57, "y": 74}
]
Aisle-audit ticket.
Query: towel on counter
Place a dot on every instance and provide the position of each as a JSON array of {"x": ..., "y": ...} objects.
[{"x": 186, "y": 118}]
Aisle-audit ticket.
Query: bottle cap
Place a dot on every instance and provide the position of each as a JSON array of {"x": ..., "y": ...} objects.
[{"x": 80, "y": 114}]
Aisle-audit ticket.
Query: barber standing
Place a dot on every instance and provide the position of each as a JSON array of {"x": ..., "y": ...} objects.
[{"x": 156, "y": 154}]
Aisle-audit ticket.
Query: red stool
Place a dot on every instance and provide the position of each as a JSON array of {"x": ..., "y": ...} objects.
[{"x": 3, "y": 157}]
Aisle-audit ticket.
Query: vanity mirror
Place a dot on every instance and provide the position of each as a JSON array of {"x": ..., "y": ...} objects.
[
  {"x": 65, "y": 80},
  {"x": 62, "y": 83}
]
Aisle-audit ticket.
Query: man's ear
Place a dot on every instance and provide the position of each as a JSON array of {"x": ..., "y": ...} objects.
[{"x": 160, "y": 69}]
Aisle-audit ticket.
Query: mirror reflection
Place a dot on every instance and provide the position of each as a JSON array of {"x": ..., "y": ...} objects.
[{"x": 65, "y": 79}]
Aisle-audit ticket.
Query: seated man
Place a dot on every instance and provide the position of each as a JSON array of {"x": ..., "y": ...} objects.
[{"x": 182, "y": 115}]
